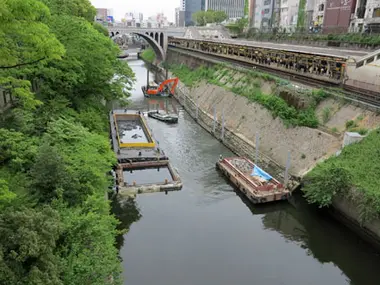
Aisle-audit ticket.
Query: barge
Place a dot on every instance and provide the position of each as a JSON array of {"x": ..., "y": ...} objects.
[
  {"x": 257, "y": 185},
  {"x": 141, "y": 165},
  {"x": 167, "y": 118}
]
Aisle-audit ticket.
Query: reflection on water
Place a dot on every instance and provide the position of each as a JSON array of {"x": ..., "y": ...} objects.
[
  {"x": 208, "y": 234},
  {"x": 147, "y": 175}
]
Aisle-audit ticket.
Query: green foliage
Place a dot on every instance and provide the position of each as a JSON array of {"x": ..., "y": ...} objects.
[
  {"x": 276, "y": 105},
  {"x": 323, "y": 183},
  {"x": 148, "y": 55},
  {"x": 17, "y": 150},
  {"x": 301, "y": 15},
  {"x": 28, "y": 242},
  {"x": 206, "y": 17},
  {"x": 6, "y": 196},
  {"x": 350, "y": 124},
  {"x": 90, "y": 256},
  {"x": 48, "y": 174},
  {"x": 86, "y": 173},
  {"x": 239, "y": 26},
  {"x": 326, "y": 114},
  {"x": 354, "y": 38},
  {"x": 56, "y": 226},
  {"x": 360, "y": 165},
  {"x": 77, "y": 8},
  {"x": 246, "y": 7}
]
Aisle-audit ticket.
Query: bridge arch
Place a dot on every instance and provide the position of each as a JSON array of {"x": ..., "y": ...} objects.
[
  {"x": 156, "y": 37},
  {"x": 152, "y": 35},
  {"x": 157, "y": 48}
]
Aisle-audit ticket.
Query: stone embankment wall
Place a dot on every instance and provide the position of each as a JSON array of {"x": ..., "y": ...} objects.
[{"x": 307, "y": 146}]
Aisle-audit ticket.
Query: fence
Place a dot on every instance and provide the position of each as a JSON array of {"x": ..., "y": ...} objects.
[{"x": 236, "y": 142}]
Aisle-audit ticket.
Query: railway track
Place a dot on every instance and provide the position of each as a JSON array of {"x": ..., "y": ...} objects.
[{"x": 365, "y": 97}]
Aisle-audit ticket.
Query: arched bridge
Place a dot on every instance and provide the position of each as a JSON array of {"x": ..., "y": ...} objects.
[{"x": 157, "y": 38}]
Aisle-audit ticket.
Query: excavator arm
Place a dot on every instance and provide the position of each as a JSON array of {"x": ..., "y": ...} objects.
[{"x": 167, "y": 82}]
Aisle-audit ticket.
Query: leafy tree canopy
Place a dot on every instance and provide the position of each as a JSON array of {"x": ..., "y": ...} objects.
[
  {"x": 77, "y": 8},
  {"x": 206, "y": 17},
  {"x": 28, "y": 241}
]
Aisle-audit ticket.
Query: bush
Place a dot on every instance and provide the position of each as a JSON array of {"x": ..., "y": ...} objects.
[
  {"x": 276, "y": 105},
  {"x": 354, "y": 173}
]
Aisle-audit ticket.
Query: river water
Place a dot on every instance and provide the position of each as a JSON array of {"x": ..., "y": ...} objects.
[{"x": 207, "y": 234}]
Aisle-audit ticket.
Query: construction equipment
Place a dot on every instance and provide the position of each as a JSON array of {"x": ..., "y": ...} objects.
[{"x": 163, "y": 90}]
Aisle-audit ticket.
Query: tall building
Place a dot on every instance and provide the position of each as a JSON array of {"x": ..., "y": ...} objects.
[
  {"x": 179, "y": 17},
  {"x": 366, "y": 17},
  {"x": 233, "y": 8},
  {"x": 337, "y": 15},
  {"x": 192, "y": 6}
]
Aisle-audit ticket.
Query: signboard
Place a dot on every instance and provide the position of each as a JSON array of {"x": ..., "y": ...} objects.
[{"x": 110, "y": 19}]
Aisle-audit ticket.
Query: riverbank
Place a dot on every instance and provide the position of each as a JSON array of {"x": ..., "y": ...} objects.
[
  {"x": 199, "y": 234},
  {"x": 243, "y": 118}
]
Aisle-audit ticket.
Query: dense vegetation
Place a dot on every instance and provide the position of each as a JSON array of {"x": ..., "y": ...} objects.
[
  {"x": 55, "y": 223},
  {"x": 354, "y": 38},
  {"x": 148, "y": 55},
  {"x": 250, "y": 87},
  {"x": 354, "y": 174},
  {"x": 201, "y": 18}
]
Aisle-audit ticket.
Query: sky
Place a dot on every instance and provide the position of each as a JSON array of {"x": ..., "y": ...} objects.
[{"x": 147, "y": 7}]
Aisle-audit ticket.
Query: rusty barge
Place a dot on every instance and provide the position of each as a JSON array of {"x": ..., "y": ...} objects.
[
  {"x": 142, "y": 166},
  {"x": 257, "y": 185}
]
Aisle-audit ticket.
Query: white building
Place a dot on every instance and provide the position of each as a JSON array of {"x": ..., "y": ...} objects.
[
  {"x": 233, "y": 8},
  {"x": 157, "y": 21},
  {"x": 133, "y": 19}
]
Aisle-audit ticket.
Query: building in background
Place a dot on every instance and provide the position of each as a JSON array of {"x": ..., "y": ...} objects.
[
  {"x": 366, "y": 17},
  {"x": 104, "y": 15},
  {"x": 233, "y": 8},
  {"x": 318, "y": 13},
  {"x": 157, "y": 21},
  {"x": 192, "y": 6},
  {"x": 133, "y": 19},
  {"x": 286, "y": 14},
  {"x": 179, "y": 17},
  {"x": 337, "y": 15}
]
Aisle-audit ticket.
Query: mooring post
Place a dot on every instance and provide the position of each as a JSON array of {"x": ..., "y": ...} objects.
[
  {"x": 213, "y": 130},
  {"x": 257, "y": 148},
  {"x": 222, "y": 135},
  {"x": 196, "y": 110},
  {"x": 147, "y": 77},
  {"x": 286, "y": 178},
  {"x": 166, "y": 73}
]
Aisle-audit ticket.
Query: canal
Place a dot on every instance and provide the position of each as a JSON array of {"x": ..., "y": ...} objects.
[{"x": 207, "y": 234}]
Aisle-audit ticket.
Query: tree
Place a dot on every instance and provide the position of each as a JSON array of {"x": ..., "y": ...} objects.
[
  {"x": 200, "y": 18},
  {"x": 220, "y": 16},
  {"x": 88, "y": 67},
  {"x": 206, "y": 17},
  {"x": 25, "y": 40},
  {"x": 85, "y": 173},
  {"x": 78, "y": 8},
  {"x": 48, "y": 173},
  {"x": 6, "y": 196},
  {"x": 27, "y": 248}
]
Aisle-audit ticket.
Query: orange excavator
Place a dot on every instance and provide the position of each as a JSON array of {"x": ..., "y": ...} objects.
[{"x": 163, "y": 90}]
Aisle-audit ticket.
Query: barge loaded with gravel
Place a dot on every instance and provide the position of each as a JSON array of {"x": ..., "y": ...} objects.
[
  {"x": 257, "y": 185},
  {"x": 142, "y": 166}
]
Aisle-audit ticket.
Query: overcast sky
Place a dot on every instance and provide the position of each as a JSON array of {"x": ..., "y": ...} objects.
[{"x": 147, "y": 7}]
